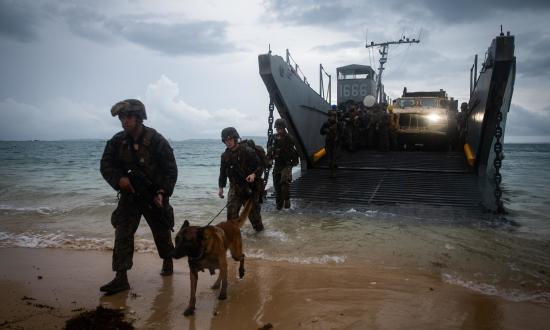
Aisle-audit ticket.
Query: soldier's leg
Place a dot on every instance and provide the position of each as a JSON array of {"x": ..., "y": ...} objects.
[
  {"x": 255, "y": 216},
  {"x": 277, "y": 185},
  {"x": 331, "y": 159},
  {"x": 162, "y": 235},
  {"x": 233, "y": 204},
  {"x": 286, "y": 179},
  {"x": 125, "y": 219}
]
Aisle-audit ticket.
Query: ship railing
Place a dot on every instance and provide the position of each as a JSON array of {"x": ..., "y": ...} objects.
[
  {"x": 325, "y": 95},
  {"x": 295, "y": 68}
]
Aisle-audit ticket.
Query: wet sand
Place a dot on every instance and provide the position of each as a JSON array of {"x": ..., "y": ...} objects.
[{"x": 42, "y": 288}]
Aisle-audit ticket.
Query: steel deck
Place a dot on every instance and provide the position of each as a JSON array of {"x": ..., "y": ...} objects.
[{"x": 369, "y": 177}]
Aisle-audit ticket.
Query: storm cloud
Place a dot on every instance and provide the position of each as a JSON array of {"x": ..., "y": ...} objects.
[
  {"x": 64, "y": 63},
  {"x": 171, "y": 35},
  {"x": 18, "y": 20},
  {"x": 522, "y": 122}
]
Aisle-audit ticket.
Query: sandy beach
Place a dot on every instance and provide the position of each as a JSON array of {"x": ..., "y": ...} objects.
[{"x": 43, "y": 288}]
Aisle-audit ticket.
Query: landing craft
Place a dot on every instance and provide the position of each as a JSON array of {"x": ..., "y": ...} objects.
[{"x": 468, "y": 176}]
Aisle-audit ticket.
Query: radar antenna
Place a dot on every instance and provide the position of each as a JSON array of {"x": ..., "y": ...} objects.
[{"x": 384, "y": 46}]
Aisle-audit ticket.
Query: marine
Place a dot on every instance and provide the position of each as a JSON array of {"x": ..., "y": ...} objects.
[
  {"x": 242, "y": 166},
  {"x": 139, "y": 163},
  {"x": 283, "y": 152},
  {"x": 332, "y": 130}
]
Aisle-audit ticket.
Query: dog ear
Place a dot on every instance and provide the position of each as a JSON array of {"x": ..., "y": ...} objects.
[{"x": 185, "y": 224}]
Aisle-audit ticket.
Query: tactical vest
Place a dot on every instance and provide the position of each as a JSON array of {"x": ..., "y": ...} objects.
[{"x": 143, "y": 158}]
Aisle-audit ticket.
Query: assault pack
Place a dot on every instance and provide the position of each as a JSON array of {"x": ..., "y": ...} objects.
[{"x": 260, "y": 152}]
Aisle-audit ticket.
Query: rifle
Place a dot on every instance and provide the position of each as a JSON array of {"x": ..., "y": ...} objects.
[
  {"x": 239, "y": 177},
  {"x": 145, "y": 191}
]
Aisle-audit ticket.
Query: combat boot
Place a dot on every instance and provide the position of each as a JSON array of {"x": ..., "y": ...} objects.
[
  {"x": 279, "y": 204},
  {"x": 167, "y": 267},
  {"x": 118, "y": 284},
  {"x": 258, "y": 226},
  {"x": 287, "y": 203}
]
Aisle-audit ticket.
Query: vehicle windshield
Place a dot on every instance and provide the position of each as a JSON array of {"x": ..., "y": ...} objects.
[
  {"x": 428, "y": 103},
  {"x": 406, "y": 103}
]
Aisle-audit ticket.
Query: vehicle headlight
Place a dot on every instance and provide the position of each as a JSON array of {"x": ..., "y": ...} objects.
[{"x": 434, "y": 118}]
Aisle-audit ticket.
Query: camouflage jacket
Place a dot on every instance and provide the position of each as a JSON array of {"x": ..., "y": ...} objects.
[
  {"x": 154, "y": 157},
  {"x": 238, "y": 164},
  {"x": 332, "y": 131},
  {"x": 283, "y": 151}
]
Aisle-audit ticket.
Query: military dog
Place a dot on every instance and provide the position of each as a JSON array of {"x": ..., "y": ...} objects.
[{"x": 206, "y": 248}]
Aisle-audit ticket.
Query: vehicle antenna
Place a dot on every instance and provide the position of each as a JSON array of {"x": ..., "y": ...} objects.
[{"x": 384, "y": 47}]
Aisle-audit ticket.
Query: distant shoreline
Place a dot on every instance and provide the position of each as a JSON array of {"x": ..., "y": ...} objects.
[{"x": 515, "y": 140}]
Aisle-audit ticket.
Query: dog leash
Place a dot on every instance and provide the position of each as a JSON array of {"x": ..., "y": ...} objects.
[{"x": 214, "y": 217}]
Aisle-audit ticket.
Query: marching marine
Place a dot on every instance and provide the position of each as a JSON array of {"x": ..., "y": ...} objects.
[
  {"x": 139, "y": 163},
  {"x": 332, "y": 129},
  {"x": 283, "y": 152},
  {"x": 242, "y": 166}
]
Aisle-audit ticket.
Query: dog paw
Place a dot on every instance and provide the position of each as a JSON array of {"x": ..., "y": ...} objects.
[
  {"x": 222, "y": 296},
  {"x": 189, "y": 311},
  {"x": 241, "y": 273}
]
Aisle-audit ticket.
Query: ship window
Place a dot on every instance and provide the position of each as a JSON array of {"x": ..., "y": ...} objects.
[
  {"x": 352, "y": 76},
  {"x": 428, "y": 103}
]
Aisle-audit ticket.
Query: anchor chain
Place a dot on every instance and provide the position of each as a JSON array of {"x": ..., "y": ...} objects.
[
  {"x": 269, "y": 139},
  {"x": 497, "y": 163}
]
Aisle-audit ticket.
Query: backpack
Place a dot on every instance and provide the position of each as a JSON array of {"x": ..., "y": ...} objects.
[{"x": 260, "y": 152}]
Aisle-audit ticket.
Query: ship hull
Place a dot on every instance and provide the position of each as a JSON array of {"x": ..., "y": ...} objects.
[
  {"x": 489, "y": 106},
  {"x": 298, "y": 104}
]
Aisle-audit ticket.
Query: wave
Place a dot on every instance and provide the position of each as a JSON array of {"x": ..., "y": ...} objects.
[
  {"x": 42, "y": 210},
  {"x": 142, "y": 245},
  {"x": 303, "y": 260},
  {"x": 514, "y": 295}
]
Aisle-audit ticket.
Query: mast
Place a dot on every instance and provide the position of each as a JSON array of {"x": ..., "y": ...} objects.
[{"x": 384, "y": 58}]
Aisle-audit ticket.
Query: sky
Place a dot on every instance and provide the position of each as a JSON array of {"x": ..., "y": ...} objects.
[{"x": 194, "y": 64}]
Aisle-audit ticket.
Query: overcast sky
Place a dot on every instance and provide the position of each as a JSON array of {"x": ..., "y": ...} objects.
[{"x": 194, "y": 63}]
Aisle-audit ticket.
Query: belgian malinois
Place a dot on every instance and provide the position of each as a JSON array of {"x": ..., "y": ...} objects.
[{"x": 206, "y": 248}]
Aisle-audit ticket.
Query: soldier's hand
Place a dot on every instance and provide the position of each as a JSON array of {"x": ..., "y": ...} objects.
[
  {"x": 251, "y": 178},
  {"x": 220, "y": 193},
  {"x": 124, "y": 184},
  {"x": 159, "y": 200}
]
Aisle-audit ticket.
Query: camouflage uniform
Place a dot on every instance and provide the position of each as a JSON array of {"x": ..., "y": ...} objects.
[
  {"x": 332, "y": 129},
  {"x": 237, "y": 165},
  {"x": 284, "y": 153},
  {"x": 155, "y": 158}
]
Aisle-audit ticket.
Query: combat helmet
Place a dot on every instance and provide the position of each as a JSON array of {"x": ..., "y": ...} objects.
[
  {"x": 280, "y": 123},
  {"x": 229, "y": 132},
  {"x": 129, "y": 107}
]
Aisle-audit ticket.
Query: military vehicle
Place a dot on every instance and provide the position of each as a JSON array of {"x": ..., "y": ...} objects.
[{"x": 426, "y": 119}]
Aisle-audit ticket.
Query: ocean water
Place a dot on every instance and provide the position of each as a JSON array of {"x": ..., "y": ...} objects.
[{"x": 53, "y": 196}]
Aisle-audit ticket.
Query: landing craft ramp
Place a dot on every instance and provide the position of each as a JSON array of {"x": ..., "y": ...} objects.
[{"x": 413, "y": 177}]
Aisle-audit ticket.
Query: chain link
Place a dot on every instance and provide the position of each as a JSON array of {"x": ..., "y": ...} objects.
[
  {"x": 269, "y": 138},
  {"x": 497, "y": 163}
]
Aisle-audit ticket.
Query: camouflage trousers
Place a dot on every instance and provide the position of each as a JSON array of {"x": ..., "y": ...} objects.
[
  {"x": 236, "y": 200},
  {"x": 332, "y": 150},
  {"x": 125, "y": 219},
  {"x": 282, "y": 177}
]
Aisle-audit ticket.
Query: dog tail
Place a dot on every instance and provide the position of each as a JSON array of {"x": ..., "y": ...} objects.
[{"x": 245, "y": 212}]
